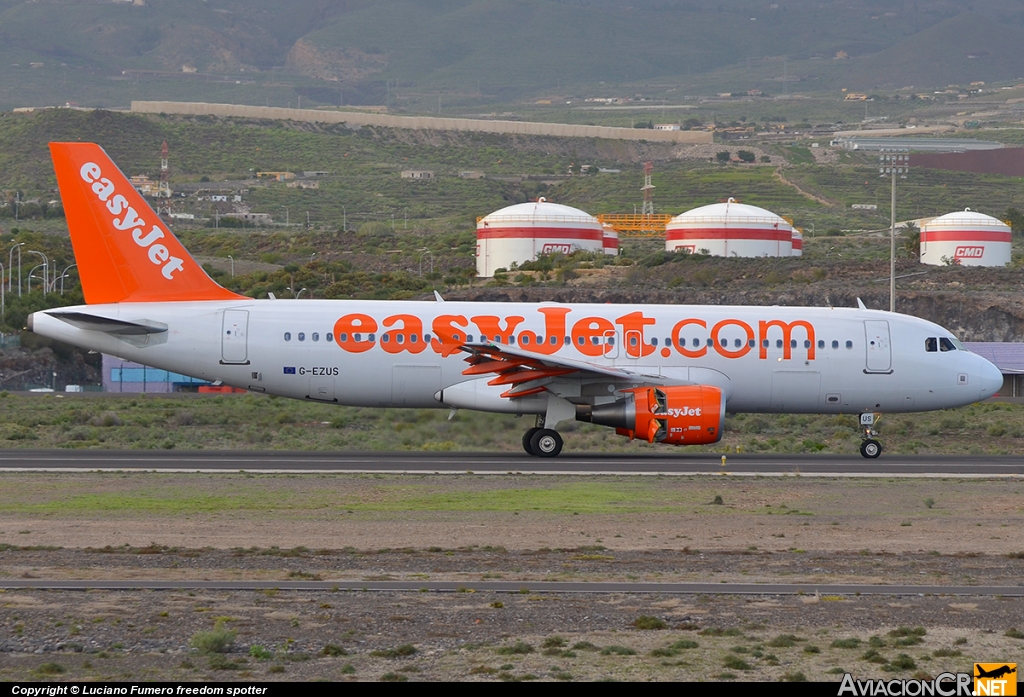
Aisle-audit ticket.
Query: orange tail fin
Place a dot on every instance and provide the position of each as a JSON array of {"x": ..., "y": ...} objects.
[{"x": 124, "y": 251}]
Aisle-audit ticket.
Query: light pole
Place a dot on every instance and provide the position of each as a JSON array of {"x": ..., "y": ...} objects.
[
  {"x": 311, "y": 257},
  {"x": 46, "y": 267},
  {"x": 232, "y": 265},
  {"x": 63, "y": 275},
  {"x": 286, "y": 219},
  {"x": 893, "y": 161},
  {"x": 344, "y": 219},
  {"x": 422, "y": 252},
  {"x": 3, "y": 299},
  {"x": 10, "y": 265},
  {"x": 32, "y": 271}
]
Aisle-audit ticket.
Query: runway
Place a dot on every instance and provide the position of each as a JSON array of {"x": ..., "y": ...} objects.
[
  {"x": 669, "y": 463},
  {"x": 524, "y": 587}
]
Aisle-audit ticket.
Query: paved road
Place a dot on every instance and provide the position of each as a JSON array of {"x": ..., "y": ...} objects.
[
  {"x": 670, "y": 463},
  {"x": 530, "y": 586}
]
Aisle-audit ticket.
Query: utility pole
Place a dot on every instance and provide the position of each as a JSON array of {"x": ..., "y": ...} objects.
[{"x": 893, "y": 161}]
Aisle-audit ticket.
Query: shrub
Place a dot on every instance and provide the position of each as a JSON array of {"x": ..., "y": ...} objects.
[
  {"x": 260, "y": 653},
  {"x": 648, "y": 622},
  {"x": 333, "y": 650},
  {"x": 616, "y": 650},
  {"x": 50, "y": 668},
  {"x": 397, "y": 652},
  {"x": 784, "y": 641},
  {"x": 736, "y": 663},
  {"x": 520, "y": 647},
  {"x": 851, "y": 643},
  {"x": 218, "y": 640}
]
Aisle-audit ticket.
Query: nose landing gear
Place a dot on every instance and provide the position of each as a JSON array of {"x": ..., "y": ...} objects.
[{"x": 869, "y": 447}]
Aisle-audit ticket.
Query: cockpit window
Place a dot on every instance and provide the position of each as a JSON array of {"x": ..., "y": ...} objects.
[
  {"x": 945, "y": 344},
  {"x": 958, "y": 344},
  {"x": 931, "y": 344}
]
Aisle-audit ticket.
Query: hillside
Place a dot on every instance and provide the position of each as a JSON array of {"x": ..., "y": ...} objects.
[{"x": 408, "y": 53}]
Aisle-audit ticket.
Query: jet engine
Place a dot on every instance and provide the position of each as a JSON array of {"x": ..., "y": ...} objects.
[{"x": 678, "y": 415}]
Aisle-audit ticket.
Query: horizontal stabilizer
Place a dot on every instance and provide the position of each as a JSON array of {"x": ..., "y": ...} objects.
[{"x": 110, "y": 325}]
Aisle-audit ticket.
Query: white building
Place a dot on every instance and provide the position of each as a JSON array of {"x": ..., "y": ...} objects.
[
  {"x": 965, "y": 237},
  {"x": 730, "y": 229},
  {"x": 522, "y": 232}
]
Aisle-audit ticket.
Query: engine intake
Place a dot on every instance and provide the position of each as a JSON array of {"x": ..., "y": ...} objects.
[{"x": 678, "y": 415}]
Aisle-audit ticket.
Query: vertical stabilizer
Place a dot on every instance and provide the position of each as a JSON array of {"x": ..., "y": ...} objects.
[{"x": 124, "y": 251}]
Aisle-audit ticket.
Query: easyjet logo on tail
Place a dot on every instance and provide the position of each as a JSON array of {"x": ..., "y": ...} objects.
[{"x": 125, "y": 218}]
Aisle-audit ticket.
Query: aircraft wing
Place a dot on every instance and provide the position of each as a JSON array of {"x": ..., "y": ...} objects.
[{"x": 521, "y": 370}]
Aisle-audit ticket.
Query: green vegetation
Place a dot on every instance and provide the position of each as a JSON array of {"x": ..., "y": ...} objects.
[
  {"x": 649, "y": 622},
  {"x": 218, "y": 640},
  {"x": 401, "y": 651}
]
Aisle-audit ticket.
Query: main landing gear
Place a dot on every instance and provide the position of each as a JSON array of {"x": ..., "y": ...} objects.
[
  {"x": 542, "y": 442},
  {"x": 869, "y": 447}
]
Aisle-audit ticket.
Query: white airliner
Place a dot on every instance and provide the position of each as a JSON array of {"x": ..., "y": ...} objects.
[{"x": 662, "y": 373}]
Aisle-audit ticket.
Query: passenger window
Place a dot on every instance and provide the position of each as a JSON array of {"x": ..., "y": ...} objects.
[
  {"x": 807, "y": 343},
  {"x": 302, "y": 336},
  {"x": 654, "y": 341},
  {"x": 581, "y": 341},
  {"x": 724, "y": 342},
  {"x": 696, "y": 342},
  {"x": 369, "y": 337},
  {"x": 752, "y": 343},
  {"x": 287, "y": 336},
  {"x": 426, "y": 338},
  {"x": 384, "y": 338},
  {"x": 821, "y": 343},
  {"x": 414, "y": 338},
  {"x": 778, "y": 343},
  {"x": 554, "y": 341},
  {"x": 524, "y": 340},
  {"x": 568, "y": 341},
  {"x": 835, "y": 344},
  {"x": 668, "y": 342},
  {"x": 710, "y": 342},
  {"x": 469, "y": 338},
  {"x": 343, "y": 337},
  {"x": 764, "y": 343},
  {"x": 849, "y": 344},
  {"x": 330, "y": 336},
  {"x": 632, "y": 341},
  {"x": 594, "y": 340},
  {"x": 540, "y": 340},
  {"x": 946, "y": 345},
  {"x": 316, "y": 337},
  {"x": 610, "y": 341},
  {"x": 400, "y": 338},
  {"x": 931, "y": 345}
]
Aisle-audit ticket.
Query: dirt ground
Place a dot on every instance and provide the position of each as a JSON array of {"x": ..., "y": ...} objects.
[{"x": 470, "y": 529}]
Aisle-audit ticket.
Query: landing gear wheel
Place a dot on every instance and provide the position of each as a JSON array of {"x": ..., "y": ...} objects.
[
  {"x": 871, "y": 448},
  {"x": 527, "y": 437},
  {"x": 546, "y": 443}
]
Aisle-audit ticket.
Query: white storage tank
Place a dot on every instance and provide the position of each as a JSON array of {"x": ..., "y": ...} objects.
[
  {"x": 730, "y": 229},
  {"x": 798, "y": 243},
  {"x": 522, "y": 232},
  {"x": 611, "y": 240},
  {"x": 968, "y": 238}
]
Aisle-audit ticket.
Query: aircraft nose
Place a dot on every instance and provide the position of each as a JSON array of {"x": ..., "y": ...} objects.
[{"x": 991, "y": 379}]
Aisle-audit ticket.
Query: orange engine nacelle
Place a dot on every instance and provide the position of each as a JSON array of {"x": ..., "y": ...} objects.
[{"x": 682, "y": 415}]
